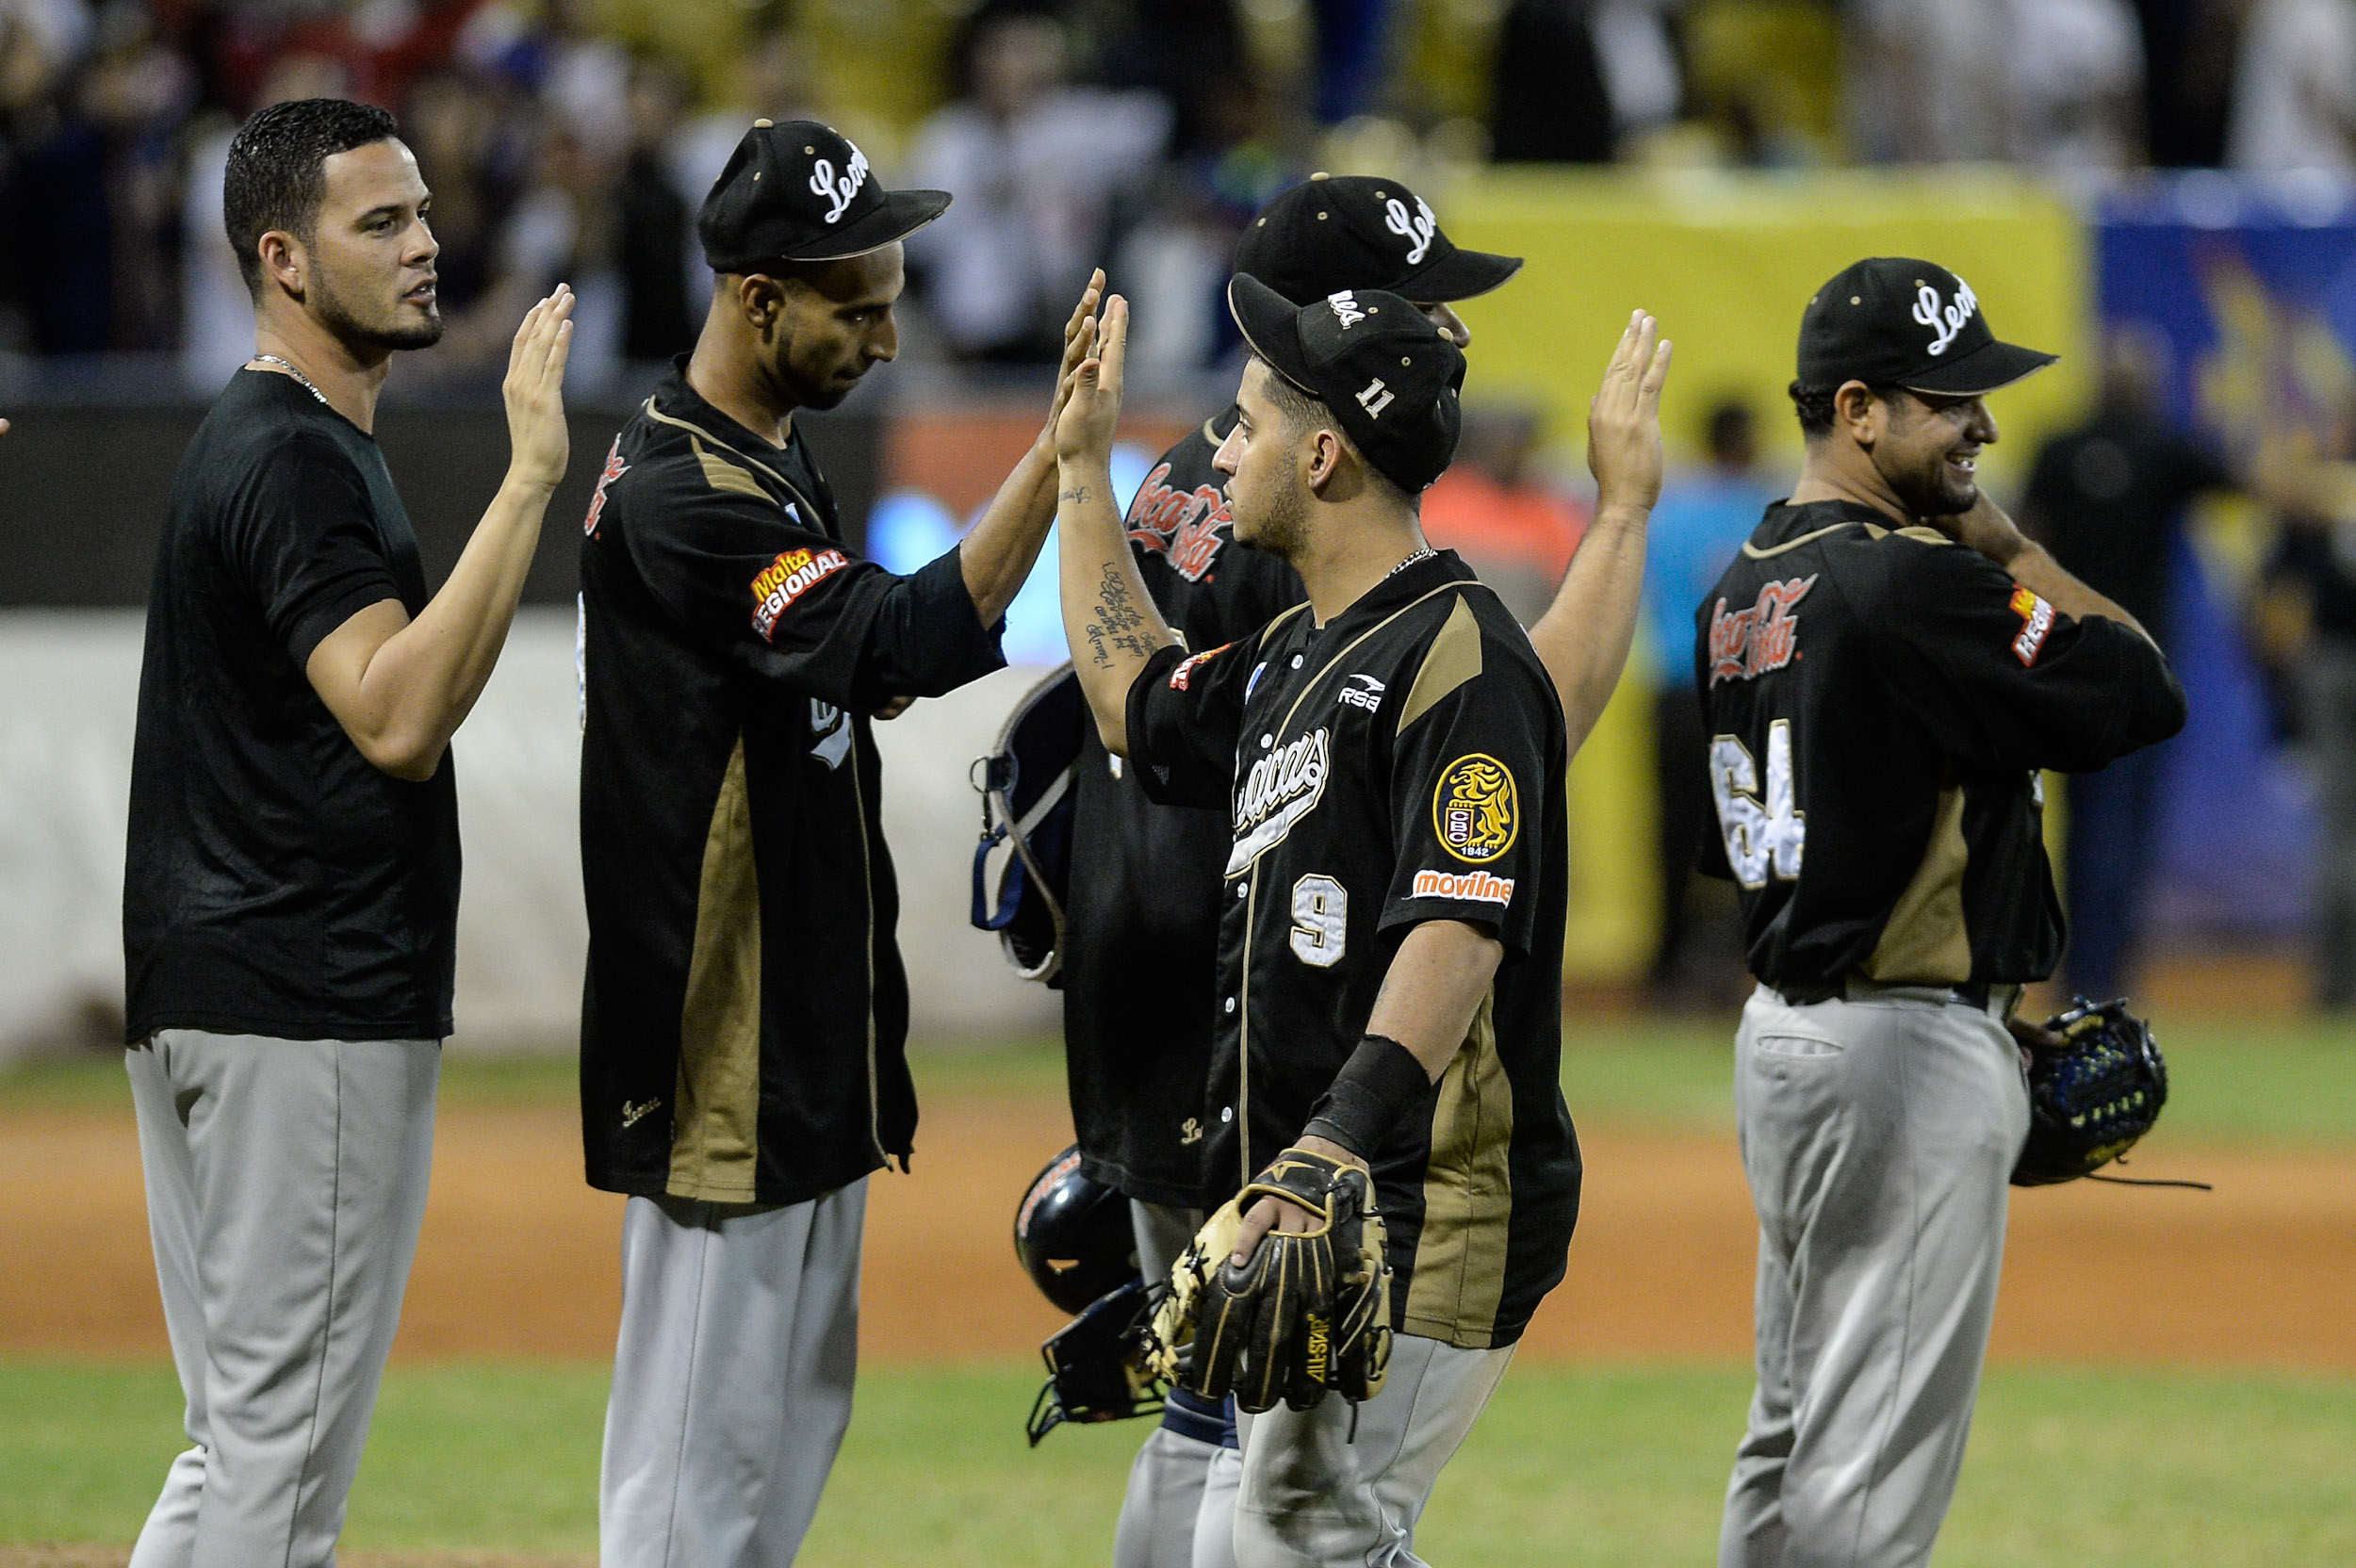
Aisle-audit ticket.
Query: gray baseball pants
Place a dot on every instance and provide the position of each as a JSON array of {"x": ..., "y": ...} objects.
[
  {"x": 1313, "y": 1495},
  {"x": 1878, "y": 1132},
  {"x": 286, "y": 1183},
  {"x": 731, "y": 1379},
  {"x": 1179, "y": 1507}
]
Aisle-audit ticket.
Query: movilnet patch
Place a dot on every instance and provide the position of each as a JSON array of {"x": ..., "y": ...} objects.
[{"x": 1478, "y": 885}]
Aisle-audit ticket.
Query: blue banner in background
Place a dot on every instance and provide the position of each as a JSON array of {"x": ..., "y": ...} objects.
[{"x": 2251, "y": 288}]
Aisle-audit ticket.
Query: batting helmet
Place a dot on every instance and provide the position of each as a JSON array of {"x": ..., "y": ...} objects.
[{"x": 1073, "y": 1236}]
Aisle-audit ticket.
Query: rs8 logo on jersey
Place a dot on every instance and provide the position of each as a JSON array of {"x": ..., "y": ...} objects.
[{"x": 1765, "y": 835}]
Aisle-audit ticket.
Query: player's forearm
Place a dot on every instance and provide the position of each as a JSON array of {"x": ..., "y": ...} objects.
[
  {"x": 1584, "y": 637},
  {"x": 1989, "y": 531},
  {"x": 2035, "y": 569},
  {"x": 422, "y": 681},
  {"x": 1432, "y": 988},
  {"x": 998, "y": 553},
  {"x": 1110, "y": 619}
]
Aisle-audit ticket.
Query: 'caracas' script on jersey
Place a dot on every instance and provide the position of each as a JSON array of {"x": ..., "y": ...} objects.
[
  {"x": 1401, "y": 764},
  {"x": 1880, "y": 703}
]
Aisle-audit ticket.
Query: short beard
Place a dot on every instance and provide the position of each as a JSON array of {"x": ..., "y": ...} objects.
[
  {"x": 347, "y": 327},
  {"x": 1928, "y": 494},
  {"x": 1283, "y": 528}
]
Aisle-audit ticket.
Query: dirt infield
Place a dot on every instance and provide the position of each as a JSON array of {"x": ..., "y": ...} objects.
[{"x": 519, "y": 1258}]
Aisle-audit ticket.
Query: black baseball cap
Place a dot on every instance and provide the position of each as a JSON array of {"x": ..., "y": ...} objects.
[
  {"x": 1388, "y": 375},
  {"x": 1893, "y": 321},
  {"x": 1331, "y": 233},
  {"x": 801, "y": 191}
]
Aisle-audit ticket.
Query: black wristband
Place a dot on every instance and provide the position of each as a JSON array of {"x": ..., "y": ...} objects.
[{"x": 1374, "y": 1089}]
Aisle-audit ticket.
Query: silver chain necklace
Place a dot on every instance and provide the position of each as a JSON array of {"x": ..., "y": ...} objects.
[
  {"x": 1424, "y": 554},
  {"x": 310, "y": 387}
]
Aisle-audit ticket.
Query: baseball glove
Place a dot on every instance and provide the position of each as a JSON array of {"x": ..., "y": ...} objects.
[
  {"x": 2091, "y": 1097},
  {"x": 1307, "y": 1312}
]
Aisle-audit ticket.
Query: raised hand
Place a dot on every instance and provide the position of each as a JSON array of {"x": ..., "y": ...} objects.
[
  {"x": 1078, "y": 338},
  {"x": 1085, "y": 425},
  {"x": 534, "y": 392},
  {"x": 1624, "y": 420}
]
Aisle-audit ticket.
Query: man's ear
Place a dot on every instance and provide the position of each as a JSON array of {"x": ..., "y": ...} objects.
[
  {"x": 285, "y": 262},
  {"x": 1325, "y": 458},
  {"x": 1864, "y": 415},
  {"x": 761, "y": 297}
]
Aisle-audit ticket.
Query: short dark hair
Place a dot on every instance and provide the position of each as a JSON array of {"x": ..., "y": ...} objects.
[
  {"x": 1300, "y": 408},
  {"x": 277, "y": 171},
  {"x": 1814, "y": 405},
  {"x": 1303, "y": 410}
]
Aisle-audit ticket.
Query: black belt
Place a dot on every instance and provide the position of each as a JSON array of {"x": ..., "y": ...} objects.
[{"x": 1976, "y": 994}]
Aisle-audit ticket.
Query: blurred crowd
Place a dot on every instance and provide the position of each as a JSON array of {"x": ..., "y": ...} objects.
[{"x": 576, "y": 138}]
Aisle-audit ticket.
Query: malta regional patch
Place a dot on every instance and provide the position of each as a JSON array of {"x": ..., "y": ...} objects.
[
  {"x": 793, "y": 574},
  {"x": 1474, "y": 811},
  {"x": 2037, "y": 621}
]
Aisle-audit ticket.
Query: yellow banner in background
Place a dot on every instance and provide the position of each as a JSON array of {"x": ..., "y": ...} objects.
[{"x": 1727, "y": 262}]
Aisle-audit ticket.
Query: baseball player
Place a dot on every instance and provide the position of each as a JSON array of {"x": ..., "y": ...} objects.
[
  {"x": 1884, "y": 670},
  {"x": 1144, "y": 908},
  {"x": 746, "y": 1009},
  {"x": 290, "y": 888},
  {"x": 1389, "y": 961}
]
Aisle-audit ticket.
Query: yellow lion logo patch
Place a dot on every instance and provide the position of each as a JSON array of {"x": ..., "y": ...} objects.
[{"x": 1473, "y": 809}]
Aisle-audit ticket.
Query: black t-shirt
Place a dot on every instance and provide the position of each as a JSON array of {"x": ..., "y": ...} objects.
[
  {"x": 1880, "y": 703},
  {"x": 276, "y": 883},
  {"x": 1401, "y": 764},
  {"x": 745, "y": 1014},
  {"x": 2105, "y": 498},
  {"x": 1141, "y": 928}
]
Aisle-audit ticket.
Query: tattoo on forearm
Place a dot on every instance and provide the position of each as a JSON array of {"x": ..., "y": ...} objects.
[
  {"x": 1077, "y": 495},
  {"x": 1120, "y": 625},
  {"x": 1113, "y": 601}
]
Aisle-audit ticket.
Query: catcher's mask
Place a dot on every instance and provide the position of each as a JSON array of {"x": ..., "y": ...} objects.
[
  {"x": 1025, "y": 786},
  {"x": 1073, "y": 1236}
]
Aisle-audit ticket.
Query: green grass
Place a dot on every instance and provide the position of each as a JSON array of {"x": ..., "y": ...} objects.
[
  {"x": 2293, "y": 1083},
  {"x": 1593, "y": 1467}
]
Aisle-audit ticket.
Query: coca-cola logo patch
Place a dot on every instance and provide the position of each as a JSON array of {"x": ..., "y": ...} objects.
[
  {"x": 1187, "y": 527},
  {"x": 1746, "y": 643}
]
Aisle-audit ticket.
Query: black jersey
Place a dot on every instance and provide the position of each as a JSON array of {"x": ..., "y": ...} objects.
[
  {"x": 1141, "y": 932},
  {"x": 1880, "y": 702},
  {"x": 1401, "y": 764},
  {"x": 746, "y": 1011},
  {"x": 275, "y": 882}
]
